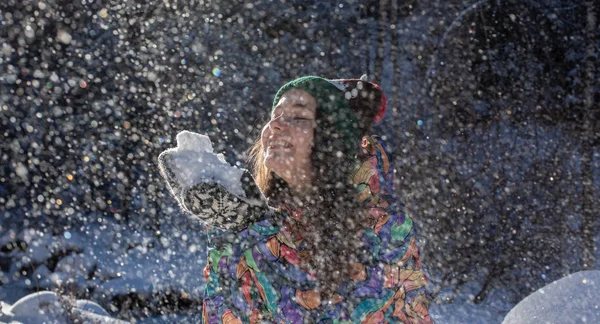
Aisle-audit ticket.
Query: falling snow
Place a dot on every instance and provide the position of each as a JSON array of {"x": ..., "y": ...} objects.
[{"x": 492, "y": 119}]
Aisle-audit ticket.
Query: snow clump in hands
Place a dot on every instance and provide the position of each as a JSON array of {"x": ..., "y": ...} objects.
[
  {"x": 207, "y": 186},
  {"x": 193, "y": 161}
]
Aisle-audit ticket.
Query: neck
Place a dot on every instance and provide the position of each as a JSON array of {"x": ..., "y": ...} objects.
[{"x": 300, "y": 183}]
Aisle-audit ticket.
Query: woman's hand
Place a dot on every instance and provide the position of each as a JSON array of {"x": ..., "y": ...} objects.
[{"x": 208, "y": 187}]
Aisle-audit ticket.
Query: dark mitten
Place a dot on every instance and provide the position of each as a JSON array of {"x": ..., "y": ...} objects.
[{"x": 212, "y": 203}]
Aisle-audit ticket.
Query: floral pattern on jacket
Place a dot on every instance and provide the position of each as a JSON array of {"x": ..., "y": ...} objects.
[{"x": 254, "y": 276}]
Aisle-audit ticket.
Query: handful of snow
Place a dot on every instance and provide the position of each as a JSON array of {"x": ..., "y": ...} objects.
[
  {"x": 205, "y": 185},
  {"x": 193, "y": 161}
]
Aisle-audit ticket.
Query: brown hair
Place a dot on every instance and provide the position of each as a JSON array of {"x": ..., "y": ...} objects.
[{"x": 261, "y": 174}]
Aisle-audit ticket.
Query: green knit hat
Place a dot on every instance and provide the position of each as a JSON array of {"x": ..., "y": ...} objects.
[{"x": 330, "y": 100}]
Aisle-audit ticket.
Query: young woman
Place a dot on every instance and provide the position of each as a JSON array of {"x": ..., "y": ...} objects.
[{"x": 339, "y": 247}]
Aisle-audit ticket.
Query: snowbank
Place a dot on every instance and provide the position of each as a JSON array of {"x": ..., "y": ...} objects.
[
  {"x": 131, "y": 272},
  {"x": 572, "y": 299},
  {"x": 48, "y": 307}
]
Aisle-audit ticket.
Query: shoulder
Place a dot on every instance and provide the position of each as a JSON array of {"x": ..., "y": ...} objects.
[{"x": 374, "y": 178}]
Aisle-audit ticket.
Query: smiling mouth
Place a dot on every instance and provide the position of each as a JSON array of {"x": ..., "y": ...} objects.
[{"x": 279, "y": 144}]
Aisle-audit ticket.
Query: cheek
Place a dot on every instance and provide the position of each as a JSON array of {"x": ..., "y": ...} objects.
[{"x": 304, "y": 140}]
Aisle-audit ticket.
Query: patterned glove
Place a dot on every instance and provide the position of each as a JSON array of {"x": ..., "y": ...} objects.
[{"x": 208, "y": 187}]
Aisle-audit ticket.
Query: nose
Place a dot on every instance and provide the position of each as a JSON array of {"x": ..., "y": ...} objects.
[{"x": 278, "y": 123}]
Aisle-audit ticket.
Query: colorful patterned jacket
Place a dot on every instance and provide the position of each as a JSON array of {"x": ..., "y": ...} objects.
[{"x": 254, "y": 276}]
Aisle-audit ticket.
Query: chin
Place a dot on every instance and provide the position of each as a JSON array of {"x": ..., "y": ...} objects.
[
  {"x": 277, "y": 166},
  {"x": 272, "y": 165}
]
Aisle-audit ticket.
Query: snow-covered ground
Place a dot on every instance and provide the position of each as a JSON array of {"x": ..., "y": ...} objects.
[
  {"x": 48, "y": 307},
  {"x": 464, "y": 313},
  {"x": 460, "y": 307},
  {"x": 130, "y": 272},
  {"x": 572, "y": 299}
]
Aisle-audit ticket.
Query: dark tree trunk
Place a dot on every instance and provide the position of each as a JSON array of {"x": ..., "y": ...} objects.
[
  {"x": 588, "y": 228},
  {"x": 394, "y": 99},
  {"x": 366, "y": 43},
  {"x": 379, "y": 51}
]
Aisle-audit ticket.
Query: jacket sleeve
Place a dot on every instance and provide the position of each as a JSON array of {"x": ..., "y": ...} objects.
[
  {"x": 390, "y": 278},
  {"x": 237, "y": 285}
]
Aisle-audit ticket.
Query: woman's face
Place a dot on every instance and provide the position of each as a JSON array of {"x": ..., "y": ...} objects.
[{"x": 287, "y": 139}]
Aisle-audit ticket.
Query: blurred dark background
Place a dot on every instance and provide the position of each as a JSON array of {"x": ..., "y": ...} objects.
[{"x": 493, "y": 115}]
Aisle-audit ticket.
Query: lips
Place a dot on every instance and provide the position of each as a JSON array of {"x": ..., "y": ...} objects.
[{"x": 278, "y": 143}]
